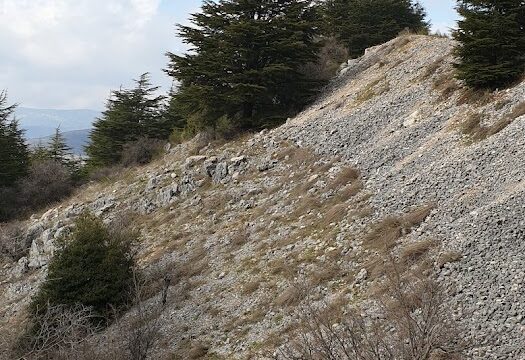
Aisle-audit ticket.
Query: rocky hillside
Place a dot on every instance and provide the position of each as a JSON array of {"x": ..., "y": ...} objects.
[{"x": 395, "y": 153}]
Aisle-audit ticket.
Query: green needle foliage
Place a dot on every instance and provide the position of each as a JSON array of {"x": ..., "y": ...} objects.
[
  {"x": 130, "y": 114},
  {"x": 58, "y": 148},
  {"x": 360, "y": 24},
  {"x": 491, "y": 39},
  {"x": 93, "y": 267},
  {"x": 14, "y": 156},
  {"x": 243, "y": 70}
]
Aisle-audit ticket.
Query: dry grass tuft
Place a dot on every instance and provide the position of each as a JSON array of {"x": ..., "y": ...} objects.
[
  {"x": 414, "y": 252},
  {"x": 433, "y": 68},
  {"x": 297, "y": 156},
  {"x": 416, "y": 216},
  {"x": 375, "y": 88},
  {"x": 291, "y": 296},
  {"x": 478, "y": 132},
  {"x": 239, "y": 238},
  {"x": 306, "y": 205},
  {"x": 349, "y": 191},
  {"x": 446, "y": 85},
  {"x": 197, "y": 351},
  {"x": 479, "y": 97},
  {"x": 448, "y": 257},
  {"x": 334, "y": 215},
  {"x": 346, "y": 176},
  {"x": 251, "y": 287},
  {"x": 384, "y": 235},
  {"x": 328, "y": 272}
]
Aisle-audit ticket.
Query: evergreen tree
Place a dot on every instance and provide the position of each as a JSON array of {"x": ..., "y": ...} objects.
[
  {"x": 58, "y": 148},
  {"x": 93, "y": 267},
  {"x": 491, "y": 39},
  {"x": 129, "y": 115},
  {"x": 360, "y": 24},
  {"x": 14, "y": 156},
  {"x": 243, "y": 69},
  {"x": 39, "y": 152}
]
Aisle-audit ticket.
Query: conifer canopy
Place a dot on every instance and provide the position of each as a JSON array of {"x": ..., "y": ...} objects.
[
  {"x": 130, "y": 114},
  {"x": 244, "y": 65},
  {"x": 14, "y": 156},
  {"x": 360, "y": 24},
  {"x": 491, "y": 38}
]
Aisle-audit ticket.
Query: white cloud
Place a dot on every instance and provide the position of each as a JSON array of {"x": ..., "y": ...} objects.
[{"x": 70, "y": 53}]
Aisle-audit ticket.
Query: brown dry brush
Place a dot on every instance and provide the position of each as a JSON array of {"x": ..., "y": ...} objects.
[
  {"x": 410, "y": 322},
  {"x": 66, "y": 333},
  {"x": 60, "y": 332}
]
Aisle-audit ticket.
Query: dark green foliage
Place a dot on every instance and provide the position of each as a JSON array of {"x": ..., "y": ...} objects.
[
  {"x": 244, "y": 66},
  {"x": 360, "y": 24},
  {"x": 58, "y": 148},
  {"x": 93, "y": 267},
  {"x": 14, "y": 157},
  {"x": 491, "y": 39},
  {"x": 130, "y": 114}
]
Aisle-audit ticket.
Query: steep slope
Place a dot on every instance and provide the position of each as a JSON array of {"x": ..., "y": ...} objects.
[{"x": 250, "y": 231}]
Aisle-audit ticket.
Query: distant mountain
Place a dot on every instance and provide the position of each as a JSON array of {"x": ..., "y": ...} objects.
[
  {"x": 40, "y": 123},
  {"x": 76, "y": 139}
]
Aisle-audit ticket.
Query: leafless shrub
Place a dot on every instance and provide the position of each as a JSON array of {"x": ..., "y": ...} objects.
[
  {"x": 140, "y": 331},
  {"x": 48, "y": 181},
  {"x": 410, "y": 322},
  {"x": 105, "y": 173},
  {"x": 331, "y": 56},
  {"x": 141, "y": 151},
  {"x": 13, "y": 242},
  {"x": 59, "y": 332}
]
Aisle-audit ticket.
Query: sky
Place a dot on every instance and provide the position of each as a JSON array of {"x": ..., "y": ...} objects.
[{"x": 70, "y": 54}]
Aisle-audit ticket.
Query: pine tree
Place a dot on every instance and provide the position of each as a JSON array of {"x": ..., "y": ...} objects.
[
  {"x": 58, "y": 148},
  {"x": 360, "y": 24},
  {"x": 14, "y": 156},
  {"x": 491, "y": 39},
  {"x": 243, "y": 69},
  {"x": 129, "y": 115}
]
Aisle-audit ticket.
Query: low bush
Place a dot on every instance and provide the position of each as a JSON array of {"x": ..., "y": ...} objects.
[
  {"x": 93, "y": 268},
  {"x": 412, "y": 323},
  {"x": 13, "y": 242},
  {"x": 141, "y": 151},
  {"x": 330, "y": 58},
  {"x": 48, "y": 182}
]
